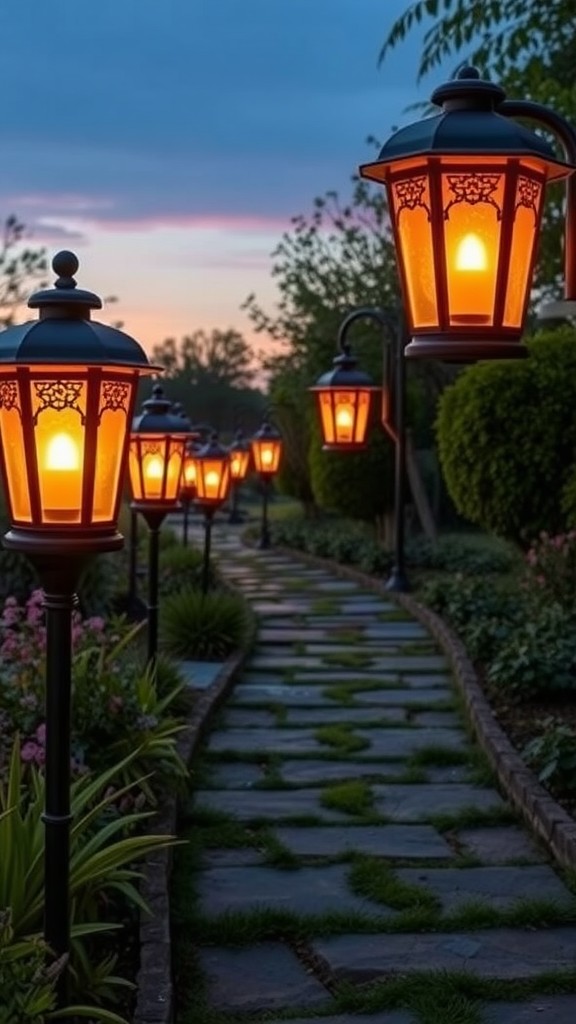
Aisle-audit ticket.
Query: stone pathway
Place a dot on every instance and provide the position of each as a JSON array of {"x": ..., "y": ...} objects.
[{"x": 348, "y": 837}]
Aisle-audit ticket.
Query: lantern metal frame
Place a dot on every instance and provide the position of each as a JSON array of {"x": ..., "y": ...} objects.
[
  {"x": 210, "y": 455},
  {"x": 344, "y": 385},
  {"x": 266, "y": 438},
  {"x": 472, "y": 156},
  {"x": 347, "y": 377},
  {"x": 157, "y": 433},
  {"x": 241, "y": 451},
  {"x": 188, "y": 489},
  {"x": 59, "y": 365}
]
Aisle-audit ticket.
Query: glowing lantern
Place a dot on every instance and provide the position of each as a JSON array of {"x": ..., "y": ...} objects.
[
  {"x": 239, "y": 457},
  {"x": 465, "y": 192},
  {"x": 188, "y": 480},
  {"x": 343, "y": 397},
  {"x": 67, "y": 392},
  {"x": 267, "y": 450},
  {"x": 212, "y": 474},
  {"x": 157, "y": 445}
]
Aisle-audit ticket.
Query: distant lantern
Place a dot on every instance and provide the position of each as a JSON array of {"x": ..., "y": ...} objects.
[
  {"x": 267, "y": 447},
  {"x": 465, "y": 193},
  {"x": 188, "y": 479},
  {"x": 239, "y": 457},
  {"x": 157, "y": 444},
  {"x": 212, "y": 474},
  {"x": 344, "y": 397}
]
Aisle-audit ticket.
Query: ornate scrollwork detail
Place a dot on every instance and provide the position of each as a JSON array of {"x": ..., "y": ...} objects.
[
  {"x": 151, "y": 448},
  {"x": 473, "y": 189},
  {"x": 410, "y": 192},
  {"x": 114, "y": 396},
  {"x": 528, "y": 194},
  {"x": 9, "y": 395},
  {"x": 59, "y": 395}
]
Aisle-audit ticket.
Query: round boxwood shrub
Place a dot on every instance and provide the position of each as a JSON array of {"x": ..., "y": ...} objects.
[{"x": 507, "y": 437}]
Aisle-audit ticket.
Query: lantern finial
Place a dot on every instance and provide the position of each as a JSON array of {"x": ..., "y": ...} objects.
[
  {"x": 65, "y": 264},
  {"x": 65, "y": 300}
]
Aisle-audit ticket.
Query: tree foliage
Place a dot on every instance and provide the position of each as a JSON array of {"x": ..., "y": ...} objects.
[
  {"x": 213, "y": 376},
  {"x": 526, "y": 45},
  {"x": 21, "y": 269},
  {"x": 507, "y": 438}
]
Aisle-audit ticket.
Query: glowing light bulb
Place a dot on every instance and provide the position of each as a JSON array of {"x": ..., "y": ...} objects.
[
  {"x": 267, "y": 457},
  {"x": 154, "y": 468},
  {"x": 62, "y": 453},
  {"x": 344, "y": 418},
  {"x": 212, "y": 480},
  {"x": 471, "y": 253},
  {"x": 235, "y": 466},
  {"x": 190, "y": 473}
]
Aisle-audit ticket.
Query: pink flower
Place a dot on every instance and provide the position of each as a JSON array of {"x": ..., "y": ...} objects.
[
  {"x": 10, "y": 602},
  {"x": 29, "y": 751},
  {"x": 96, "y": 622},
  {"x": 41, "y": 734}
]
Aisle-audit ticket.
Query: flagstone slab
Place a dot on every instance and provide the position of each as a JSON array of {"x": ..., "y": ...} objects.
[
  {"x": 397, "y": 629},
  {"x": 265, "y": 741},
  {"x": 238, "y": 718},
  {"x": 299, "y": 772},
  {"x": 328, "y": 675},
  {"x": 244, "y": 857},
  {"x": 403, "y": 697},
  {"x": 309, "y": 890},
  {"x": 539, "y": 1010},
  {"x": 350, "y": 715},
  {"x": 272, "y": 635},
  {"x": 504, "y": 953},
  {"x": 499, "y": 888},
  {"x": 236, "y": 775},
  {"x": 445, "y": 719},
  {"x": 500, "y": 843},
  {"x": 266, "y": 976},
  {"x": 276, "y": 693},
  {"x": 402, "y": 842},
  {"x": 269, "y": 804},
  {"x": 398, "y": 742},
  {"x": 386, "y": 1017},
  {"x": 271, "y": 608},
  {"x": 417, "y": 802}
]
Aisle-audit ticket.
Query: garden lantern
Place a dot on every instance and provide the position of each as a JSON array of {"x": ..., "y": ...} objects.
[
  {"x": 67, "y": 392},
  {"x": 465, "y": 192},
  {"x": 240, "y": 452},
  {"x": 212, "y": 488},
  {"x": 157, "y": 443},
  {"x": 267, "y": 447},
  {"x": 188, "y": 485},
  {"x": 344, "y": 396}
]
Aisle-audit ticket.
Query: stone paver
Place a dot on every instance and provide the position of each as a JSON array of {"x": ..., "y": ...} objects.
[
  {"x": 268, "y": 771},
  {"x": 420, "y": 842},
  {"x": 492, "y": 953}
]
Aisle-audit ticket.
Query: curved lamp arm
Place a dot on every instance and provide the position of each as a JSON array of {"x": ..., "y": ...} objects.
[
  {"x": 392, "y": 324},
  {"x": 566, "y": 135}
]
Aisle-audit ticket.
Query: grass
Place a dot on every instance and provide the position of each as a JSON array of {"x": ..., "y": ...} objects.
[
  {"x": 341, "y": 737},
  {"x": 348, "y": 659},
  {"x": 324, "y": 606},
  {"x": 344, "y": 692},
  {"x": 472, "y": 817},
  {"x": 353, "y": 797},
  {"x": 375, "y": 880},
  {"x": 434, "y": 756}
]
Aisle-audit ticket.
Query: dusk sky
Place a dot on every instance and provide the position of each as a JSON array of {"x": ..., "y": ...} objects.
[{"x": 168, "y": 142}]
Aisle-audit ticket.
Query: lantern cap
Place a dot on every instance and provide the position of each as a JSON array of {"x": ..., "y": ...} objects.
[
  {"x": 64, "y": 333},
  {"x": 344, "y": 373},
  {"x": 157, "y": 416},
  {"x": 239, "y": 442},
  {"x": 267, "y": 432},
  {"x": 469, "y": 125},
  {"x": 212, "y": 449}
]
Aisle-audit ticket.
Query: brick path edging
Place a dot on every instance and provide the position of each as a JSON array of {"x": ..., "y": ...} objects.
[
  {"x": 155, "y": 990},
  {"x": 546, "y": 817}
]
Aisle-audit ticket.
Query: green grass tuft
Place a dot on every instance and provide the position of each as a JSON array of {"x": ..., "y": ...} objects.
[{"x": 341, "y": 737}]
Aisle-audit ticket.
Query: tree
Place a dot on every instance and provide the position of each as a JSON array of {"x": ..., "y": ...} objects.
[
  {"x": 527, "y": 46},
  {"x": 212, "y": 375},
  {"x": 21, "y": 269}
]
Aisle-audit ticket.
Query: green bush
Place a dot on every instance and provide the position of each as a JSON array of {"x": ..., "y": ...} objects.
[
  {"x": 551, "y": 569},
  {"x": 205, "y": 627},
  {"x": 474, "y": 556},
  {"x": 539, "y": 655},
  {"x": 553, "y": 754},
  {"x": 484, "y": 614},
  {"x": 181, "y": 568},
  {"x": 507, "y": 435}
]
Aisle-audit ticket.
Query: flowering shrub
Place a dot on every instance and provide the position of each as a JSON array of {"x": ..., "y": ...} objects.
[
  {"x": 116, "y": 705},
  {"x": 551, "y": 569}
]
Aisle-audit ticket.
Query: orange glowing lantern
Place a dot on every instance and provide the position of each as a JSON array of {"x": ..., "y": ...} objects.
[
  {"x": 212, "y": 474},
  {"x": 465, "y": 193},
  {"x": 267, "y": 447},
  {"x": 188, "y": 481},
  {"x": 343, "y": 397},
  {"x": 239, "y": 457},
  {"x": 157, "y": 444},
  {"x": 67, "y": 392}
]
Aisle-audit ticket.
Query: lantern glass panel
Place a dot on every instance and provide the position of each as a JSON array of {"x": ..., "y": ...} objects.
[
  {"x": 239, "y": 461},
  {"x": 344, "y": 415},
  {"x": 410, "y": 201},
  {"x": 267, "y": 456},
  {"x": 13, "y": 450},
  {"x": 174, "y": 467},
  {"x": 527, "y": 216},
  {"x": 116, "y": 402},
  {"x": 59, "y": 423}
]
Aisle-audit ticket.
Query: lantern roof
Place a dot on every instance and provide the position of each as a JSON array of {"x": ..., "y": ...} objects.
[
  {"x": 469, "y": 124},
  {"x": 345, "y": 373},
  {"x": 64, "y": 332},
  {"x": 157, "y": 416},
  {"x": 239, "y": 442},
  {"x": 212, "y": 449},
  {"x": 267, "y": 432}
]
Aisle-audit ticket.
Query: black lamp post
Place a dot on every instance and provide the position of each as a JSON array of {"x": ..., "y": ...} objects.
[
  {"x": 157, "y": 442},
  {"x": 239, "y": 465},
  {"x": 465, "y": 193},
  {"x": 344, "y": 396},
  {"x": 67, "y": 392},
  {"x": 212, "y": 489},
  {"x": 266, "y": 447}
]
